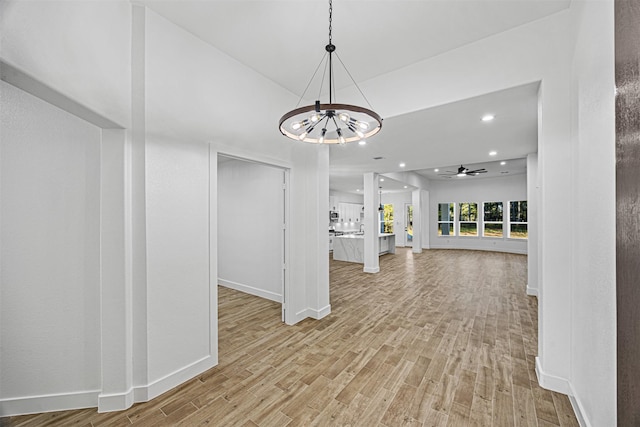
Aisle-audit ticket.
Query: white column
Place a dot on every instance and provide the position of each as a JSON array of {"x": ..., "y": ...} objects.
[
  {"x": 116, "y": 322},
  {"x": 138, "y": 199},
  {"x": 416, "y": 200},
  {"x": 371, "y": 226},
  {"x": 532, "y": 214},
  {"x": 307, "y": 293}
]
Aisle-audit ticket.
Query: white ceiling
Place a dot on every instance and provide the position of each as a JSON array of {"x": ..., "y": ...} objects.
[{"x": 284, "y": 41}]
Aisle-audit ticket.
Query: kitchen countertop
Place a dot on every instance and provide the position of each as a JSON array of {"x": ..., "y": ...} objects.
[
  {"x": 350, "y": 247},
  {"x": 361, "y": 236}
]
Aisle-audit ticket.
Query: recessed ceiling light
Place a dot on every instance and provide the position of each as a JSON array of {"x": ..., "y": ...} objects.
[
  {"x": 503, "y": 163},
  {"x": 402, "y": 165},
  {"x": 358, "y": 189},
  {"x": 436, "y": 170},
  {"x": 493, "y": 153},
  {"x": 405, "y": 186},
  {"x": 488, "y": 117},
  {"x": 362, "y": 142},
  {"x": 381, "y": 179}
]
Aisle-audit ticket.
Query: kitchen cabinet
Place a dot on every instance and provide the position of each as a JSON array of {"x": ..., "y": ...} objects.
[
  {"x": 350, "y": 212},
  {"x": 384, "y": 244}
]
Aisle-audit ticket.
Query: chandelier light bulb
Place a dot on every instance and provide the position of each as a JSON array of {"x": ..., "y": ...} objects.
[
  {"x": 302, "y": 136},
  {"x": 296, "y": 125},
  {"x": 315, "y": 117},
  {"x": 359, "y": 133},
  {"x": 324, "y": 132},
  {"x": 363, "y": 125},
  {"x": 344, "y": 117}
]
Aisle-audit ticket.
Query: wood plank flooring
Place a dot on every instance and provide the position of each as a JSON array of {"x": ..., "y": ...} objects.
[{"x": 442, "y": 338}]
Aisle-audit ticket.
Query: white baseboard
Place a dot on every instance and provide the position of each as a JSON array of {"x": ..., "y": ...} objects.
[
  {"x": 312, "y": 313},
  {"x": 532, "y": 291},
  {"x": 578, "y": 409},
  {"x": 104, "y": 402},
  {"x": 371, "y": 270},
  {"x": 319, "y": 314},
  {"x": 49, "y": 403},
  {"x": 483, "y": 248},
  {"x": 551, "y": 382},
  {"x": 116, "y": 401},
  {"x": 272, "y": 296},
  {"x": 174, "y": 379}
]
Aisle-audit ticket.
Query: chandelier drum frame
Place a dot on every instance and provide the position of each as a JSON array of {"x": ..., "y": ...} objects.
[{"x": 332, "y": 123}]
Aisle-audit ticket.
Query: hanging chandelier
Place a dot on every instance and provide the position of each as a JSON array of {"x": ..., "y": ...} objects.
[{"x": 330, "y": 123}]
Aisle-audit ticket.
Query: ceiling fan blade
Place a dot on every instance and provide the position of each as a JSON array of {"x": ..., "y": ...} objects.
[{"x": 483, "y": 170}]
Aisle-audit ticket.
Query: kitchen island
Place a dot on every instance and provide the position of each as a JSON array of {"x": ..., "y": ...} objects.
[{"x": 351, "y": 247}]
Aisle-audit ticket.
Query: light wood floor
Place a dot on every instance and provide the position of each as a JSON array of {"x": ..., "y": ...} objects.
[{"x": 442, "y": 338}]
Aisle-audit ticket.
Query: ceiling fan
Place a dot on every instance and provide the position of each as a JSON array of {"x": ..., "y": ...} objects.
[{"x": 462, "y": 171}]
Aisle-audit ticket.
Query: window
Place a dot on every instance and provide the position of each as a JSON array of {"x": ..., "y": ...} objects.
[
  {"x": 409, "y": 222},
  {"x": 446, "y": 217},
  {"x": 518, "y": 220},
  {"x": 386, "y": 219},
  {"x": 468, "y": 219},
  {"x": 492, "y": 219}
]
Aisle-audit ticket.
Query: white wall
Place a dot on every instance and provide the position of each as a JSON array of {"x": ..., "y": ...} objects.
[
  {"x": 341, "y": 197},
  {"x": 593, "y": 294},
  {"x": 178, "y": 288},
  {"x": 82, "y": 49},
  {"x": 50, "y": 254},
  {"x": 250, "y": 234},
  {"x": 477, "y": 190}
]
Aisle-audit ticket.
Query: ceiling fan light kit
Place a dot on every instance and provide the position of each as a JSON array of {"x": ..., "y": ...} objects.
[
  {"x": 463, "y": 171},
  {"x": 330, "y": 123}
]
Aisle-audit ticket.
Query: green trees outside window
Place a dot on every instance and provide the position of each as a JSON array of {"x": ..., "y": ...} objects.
[
  {"x": 468, "y": 218},
  {"x": 386, "y": 219},
  {"x": 446, "y": 217},
  {"x": 518, "y": 226},
  {"x": 492, "y": 219}
]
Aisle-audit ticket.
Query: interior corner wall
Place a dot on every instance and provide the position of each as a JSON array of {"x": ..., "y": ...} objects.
[
  {"x": 50, "y": 256},
  {"x": 250, "y": 234}
]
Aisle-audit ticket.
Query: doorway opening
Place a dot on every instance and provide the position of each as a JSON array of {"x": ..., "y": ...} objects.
[
  {"x": 408, "y": 224},
  {"x": 252, "y": 228}
]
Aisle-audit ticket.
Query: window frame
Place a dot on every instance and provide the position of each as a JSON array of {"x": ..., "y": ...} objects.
[
  {"x": 461, "y": 221},
  {"x": 384, "y": 224},
  {"x": 451, "y": 220},
  {"x": 512, "y": 222},
  {"x": 485, "y": 222}
]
